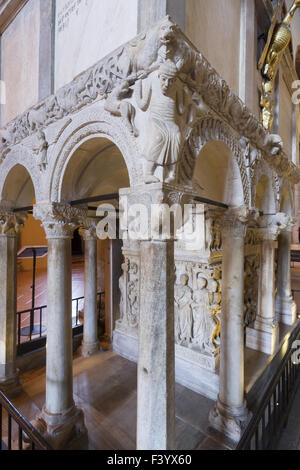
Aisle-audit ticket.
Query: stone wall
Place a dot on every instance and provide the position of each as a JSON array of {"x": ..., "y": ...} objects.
[
  {"x": 86, "y": 31},
  {"x": 20, "y": 61}
]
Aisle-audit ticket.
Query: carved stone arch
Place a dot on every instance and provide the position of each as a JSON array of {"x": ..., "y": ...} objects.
[
  {"x": 286, "y": 198},
  {"x": 207, "y": 130},
  {"x": 86, "y": 126},
  {"x": 19, "y": 157},
  {"x": 263, "y": 176}
]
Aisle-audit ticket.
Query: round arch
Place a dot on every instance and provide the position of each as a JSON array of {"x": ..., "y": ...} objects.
[
  {"x": 89, "y": 127},
  {"x": 264, "y": 197},
  {"x": 17, "y": 189},
  {"x": 217, "y": 148},
  {"x": 20, "y": 167},
  {"x": 286, "y": 200}
]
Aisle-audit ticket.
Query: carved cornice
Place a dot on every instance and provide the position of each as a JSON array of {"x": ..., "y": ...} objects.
[
  {"x": 11, "y": 223},
  {"x": 59, "y": 220}
]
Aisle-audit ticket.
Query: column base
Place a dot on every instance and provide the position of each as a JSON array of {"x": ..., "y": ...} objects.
[
  {"x": 11, "y": 386},
  {"x": 230, "y": 421},
  {"x": 263, "y": 337},
  {"x": 286, "y": 310},
  {"x": 89, "y": 349},
  {"x": 63, "y": 431}
]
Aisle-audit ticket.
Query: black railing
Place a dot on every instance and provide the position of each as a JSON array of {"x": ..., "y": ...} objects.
[
  {"x": 36, "y": 337},
  {"x": 269, "y": 420},
  {"x": 295, "y": 256},
  {"x": 16, "y": 432}
]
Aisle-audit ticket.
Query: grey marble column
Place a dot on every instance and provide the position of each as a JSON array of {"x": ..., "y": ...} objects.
[
  {"x": 286, "y": 310},
  {"x": 10, "y": 225},
  {"x": 230, "y": 415},
  {"x": 156, "y": 363},
  {"x": 60, "y": 421},
  {"x": 90, "y": 344},
  {"x": 156, "y": 353},
  {"x": 264, "y": 335}
]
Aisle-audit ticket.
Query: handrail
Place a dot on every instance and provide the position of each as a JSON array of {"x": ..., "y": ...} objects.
[
  {"x": 269, "y": 419},
  {"x": 37, "y": 339},
  {"x": 25, "y": 428}
]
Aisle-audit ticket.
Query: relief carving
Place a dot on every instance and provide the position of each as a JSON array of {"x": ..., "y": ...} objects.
[
  {"x": 251, "y": 273},
  {"x": 198, "y": 308}
]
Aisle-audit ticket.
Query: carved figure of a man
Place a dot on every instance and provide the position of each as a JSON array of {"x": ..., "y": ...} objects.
[
  {"x": 41, "y": 150},
  {"x": 164, "y": 136},
  {"x": 200, "y": 308},
  {"x": 117, "y": 106},
  {"x": 183, "y": 311},
  {"x": 122, "y": 287}
]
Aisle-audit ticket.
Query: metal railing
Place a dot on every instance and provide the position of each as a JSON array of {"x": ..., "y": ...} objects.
[
  {"x": 269, "y": 420},
  {"x": 36, "y": 338},
  {"x": 18, "y": 433}
]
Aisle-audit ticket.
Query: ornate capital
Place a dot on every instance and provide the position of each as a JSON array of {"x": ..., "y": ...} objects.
[
  {"x": 59, "y": 220},
  {"x": 271, "y": 225},
  {"x": 88, "y": 231},
  {"x": 11, "y": 223},
  {"x": 235, "y": 222}
]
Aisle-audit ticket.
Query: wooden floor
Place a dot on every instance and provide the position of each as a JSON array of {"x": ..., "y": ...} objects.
[
  {"x": 105, "y": 389},
  {"x": 24, "y": 292},
  {"x": 25, "y": 283}
]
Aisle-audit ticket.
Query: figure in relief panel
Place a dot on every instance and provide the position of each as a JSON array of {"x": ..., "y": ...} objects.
[
  {"x": 41, "y": 150},
  {"x": 183, "y": 311},
  {"x": 200, "y": 307}
]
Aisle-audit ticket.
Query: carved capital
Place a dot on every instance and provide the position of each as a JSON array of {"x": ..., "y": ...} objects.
[
  {"x": 59, "y": 220},
  {"x": 11, "y": 223},
  {"x": 235, "y": 222},
  {"x": 88, "y": 231},
  {"x": 271, "y": 225}
]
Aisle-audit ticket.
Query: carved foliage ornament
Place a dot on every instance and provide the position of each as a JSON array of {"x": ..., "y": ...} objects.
[
  {"x": 11, "y": 223},
  {"x": 59, "y": 220}
]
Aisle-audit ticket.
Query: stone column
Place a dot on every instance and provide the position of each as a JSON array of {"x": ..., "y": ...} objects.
[
  {"x": 264, "y": 335},
  {"x": 10, "y": 225},
  {"x": 156, "y": 362},
  {"x": 156, "y": 356},
  {"x": 60, "y": 421},
  {"x": 286, "y": 310},
  {"x": 230, "y": 414},
  {"x": 90, "y": 344}
]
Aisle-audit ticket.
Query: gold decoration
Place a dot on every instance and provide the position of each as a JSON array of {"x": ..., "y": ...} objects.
[{"x": 278, "y": 40}]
